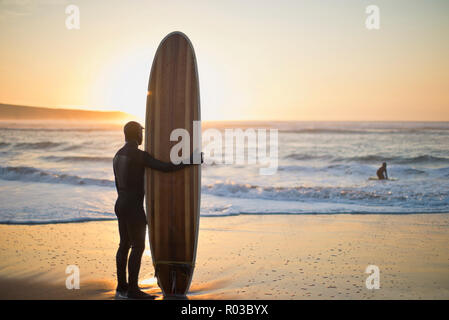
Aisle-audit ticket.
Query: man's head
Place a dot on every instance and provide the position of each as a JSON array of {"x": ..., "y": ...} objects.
[
  {"x": 133, "y": 132},
  {"x": 384, "y": 164}
]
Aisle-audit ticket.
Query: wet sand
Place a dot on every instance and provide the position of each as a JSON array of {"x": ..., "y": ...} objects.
[{"x": 244, "y": 257}]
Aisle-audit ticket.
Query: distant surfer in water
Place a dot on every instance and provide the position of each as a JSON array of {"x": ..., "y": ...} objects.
[
  {"x": 129, "y": 167},
  {"x": 382, "y": 172}
]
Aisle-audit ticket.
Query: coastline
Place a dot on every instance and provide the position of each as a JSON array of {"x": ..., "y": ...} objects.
[{"x": 244, "y": 257}]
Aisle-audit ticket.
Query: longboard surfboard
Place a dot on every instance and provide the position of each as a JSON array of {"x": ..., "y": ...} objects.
[
  {"x": 172, "y": 199},
  {"x": 377, "y": 179}
]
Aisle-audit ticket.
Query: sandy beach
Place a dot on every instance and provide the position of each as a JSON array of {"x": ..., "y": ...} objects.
[{"x": 244, "y": 257}]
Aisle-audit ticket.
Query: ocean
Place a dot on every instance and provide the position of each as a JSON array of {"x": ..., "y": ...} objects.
[{"x": 63, "y": 173}]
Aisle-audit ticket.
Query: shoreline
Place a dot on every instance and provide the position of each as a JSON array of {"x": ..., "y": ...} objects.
[
  {"x": 90, "y": 220},
  {"x": 320, "y": 256}
]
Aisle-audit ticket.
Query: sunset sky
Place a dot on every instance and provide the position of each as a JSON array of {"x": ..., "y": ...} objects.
[{"x": 260, "y": 60}]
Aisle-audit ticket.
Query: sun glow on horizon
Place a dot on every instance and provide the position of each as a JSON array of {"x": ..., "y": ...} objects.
[{"x": 274, "y": 61}]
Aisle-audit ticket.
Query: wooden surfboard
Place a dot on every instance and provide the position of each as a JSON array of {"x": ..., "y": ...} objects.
[{"x": 173, "y": 199}]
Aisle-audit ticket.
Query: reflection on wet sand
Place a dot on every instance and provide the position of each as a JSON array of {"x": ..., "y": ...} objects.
[
  {"x": 42, "y": 287},
  {"x": 197, "y": 291}
]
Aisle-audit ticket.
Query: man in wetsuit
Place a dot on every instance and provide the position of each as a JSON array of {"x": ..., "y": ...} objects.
[
  {"x": 381, "y": 171},
  {"x": 129, "y": 167}
]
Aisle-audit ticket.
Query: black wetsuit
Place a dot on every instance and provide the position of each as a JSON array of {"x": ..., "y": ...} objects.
[
  {"x": 380, "y": 173},
  {"x": 129, "y": 167}
]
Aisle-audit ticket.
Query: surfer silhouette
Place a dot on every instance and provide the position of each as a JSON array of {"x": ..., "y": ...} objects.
[
  {"x": 129, "y": 167},
  {"x": 382, "y": 172}
]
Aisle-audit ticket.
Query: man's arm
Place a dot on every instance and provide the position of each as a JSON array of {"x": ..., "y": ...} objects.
[
  {"x": 150, "y": 162},
  {"x": 386, "y": 174},
  {"x": 115, "y": 176}
]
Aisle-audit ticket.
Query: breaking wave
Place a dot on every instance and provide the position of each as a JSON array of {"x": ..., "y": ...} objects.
[{"x": 30, "y": 174}]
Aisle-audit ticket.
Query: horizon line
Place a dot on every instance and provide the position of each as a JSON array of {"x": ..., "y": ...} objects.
[{"x": 80, "y": 108}]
